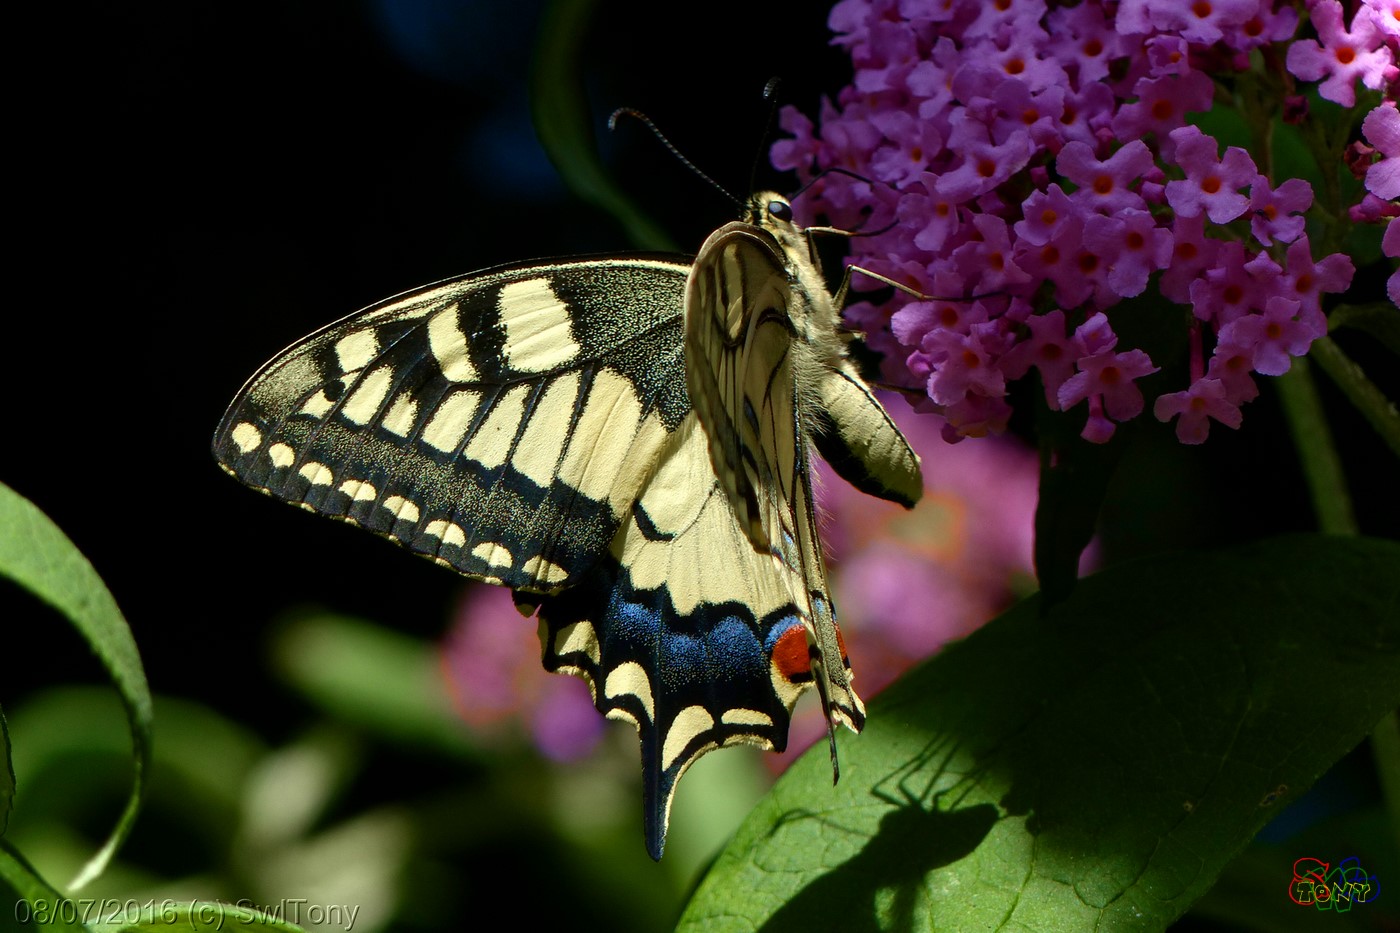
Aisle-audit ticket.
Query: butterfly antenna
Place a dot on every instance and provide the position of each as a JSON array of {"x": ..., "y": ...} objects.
[
  {"x": 646, "y": 121},
  {"x": 858, "y": 177},
  {"x": 836, "y": 170},
  {"x": 770, "y": 94}
]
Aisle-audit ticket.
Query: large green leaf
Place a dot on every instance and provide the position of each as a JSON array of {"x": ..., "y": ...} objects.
[
  {"x": 1092, "y": 768},
  {"x": 39, "y": 557}
]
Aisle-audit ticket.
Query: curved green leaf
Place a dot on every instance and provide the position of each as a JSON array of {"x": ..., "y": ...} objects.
[
  {"x": 41, "y": 559},
  {"x": 34, "y": 901},
  {"x": 1093, "y": 768},
  {"x": 561, "y": 117},
  {"x": 381, "y": 680}
]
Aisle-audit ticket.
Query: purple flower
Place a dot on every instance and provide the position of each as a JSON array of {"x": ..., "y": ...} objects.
[
  {"x": 1212, "y": 183},
  {"x": 1045, "y": 212},
  {"x": 1057, "y": 261},
  {"x": 1110, "y": 376},
  {"x": 1104, "y": 184},
  {"x": 1343, "y": 56},
  {"x": 1382, "y": 129},
  {"x": 912, "y": 143},
  {"x": 1039, "y": 159},
  {"x": 1193, "y": 409},
  {"x": 799, "y": 152},
  {"x": 1387, "y": 16},
  {"x": 1201, "y": 22},
  {"x": 1048, "y": 350},
  {"x": 962, "y": 365},
  {"x": 1162, "y": 106},
  {"x": 1275, "y": 212},
  {"x": 1192, "y": 253},
  {"x": 1134, "y": 245},
  {"x": 987, "y": 259},
  {"x": 1168, "y": 55},
  {"x": 1264, "y": 27},
  {"x": 1228, "y": 290},
  {"x": 1274, "y": 337},
  {"x": 1082, "y": 38},
  {"x": 1232, "y": 364},
  {"x": 1306, "y": 280},
  {"x": 1038, "y": 113},
  {"x": 984, "y": 164}
]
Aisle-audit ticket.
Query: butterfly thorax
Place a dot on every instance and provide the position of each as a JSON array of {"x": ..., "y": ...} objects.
[{"x": 792, "y": 281}]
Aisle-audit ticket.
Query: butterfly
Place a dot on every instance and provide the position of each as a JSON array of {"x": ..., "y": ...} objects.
[{"x": 625, "y": 442}]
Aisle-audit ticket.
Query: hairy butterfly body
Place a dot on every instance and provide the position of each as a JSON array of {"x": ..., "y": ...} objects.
[{"x": 624, "y": 442}]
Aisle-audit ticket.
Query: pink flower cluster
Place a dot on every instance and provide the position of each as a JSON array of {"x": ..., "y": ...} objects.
[
  {"x": 491, "y": 662},
  {"x": 1034, "y": 164}
]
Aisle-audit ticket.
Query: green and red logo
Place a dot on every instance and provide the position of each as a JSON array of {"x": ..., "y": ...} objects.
[{"x": 1336, "y": 887}]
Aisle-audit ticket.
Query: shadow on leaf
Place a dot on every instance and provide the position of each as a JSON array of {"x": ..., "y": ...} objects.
[{"x": 878, "y": 888}]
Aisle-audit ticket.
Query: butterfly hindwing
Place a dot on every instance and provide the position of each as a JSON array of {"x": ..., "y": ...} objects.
[
  {"x": 683, "y": 628},
  {"x": 480, "y": 421}
]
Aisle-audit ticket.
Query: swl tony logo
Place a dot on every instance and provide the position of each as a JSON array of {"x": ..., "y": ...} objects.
[{"x": 1332, "y": 887}]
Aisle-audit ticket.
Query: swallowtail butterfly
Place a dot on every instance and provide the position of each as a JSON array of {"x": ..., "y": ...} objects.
[{"x": 624, "y": 442}]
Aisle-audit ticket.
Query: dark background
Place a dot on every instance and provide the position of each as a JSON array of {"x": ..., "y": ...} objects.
[{"x": 197, "y": 185}]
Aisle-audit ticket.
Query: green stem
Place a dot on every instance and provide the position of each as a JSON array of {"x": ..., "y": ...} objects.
[
  {"x": 1322, "y": 468},
  {"x": 1368, "y": 399},
  {"x": 1385, "y": 745}
]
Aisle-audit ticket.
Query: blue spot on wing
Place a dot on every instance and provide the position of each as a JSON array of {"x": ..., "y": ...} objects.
[{"x": 716, "y": 657}]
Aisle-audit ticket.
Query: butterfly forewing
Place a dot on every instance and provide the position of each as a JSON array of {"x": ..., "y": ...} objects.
[{"x": 481, "y": 421}]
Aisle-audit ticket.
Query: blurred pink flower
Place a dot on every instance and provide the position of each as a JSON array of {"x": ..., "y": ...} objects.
[{"x": 491, "y": 658}]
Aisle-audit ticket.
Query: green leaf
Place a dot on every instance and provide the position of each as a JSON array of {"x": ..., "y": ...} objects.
[
  {"x": 562, "y": 120},
  {"x": 1092, "y": 768},
  {"x": 34, "y": 903},
  {"x": 39, "y": 557},
  {"x": 7, "y": 776},
  {"x": 381, "y": 680}
]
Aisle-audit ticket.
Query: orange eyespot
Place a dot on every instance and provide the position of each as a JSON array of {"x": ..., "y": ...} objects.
[{"x": 790, "y": 655}]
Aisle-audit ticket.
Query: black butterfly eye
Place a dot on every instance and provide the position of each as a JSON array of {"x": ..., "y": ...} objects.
[{"x": 780, "y": 210}]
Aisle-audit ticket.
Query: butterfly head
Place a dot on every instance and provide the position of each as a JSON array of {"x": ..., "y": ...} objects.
[
  {"x": 771, "y": 210},
  {"x": 773, "y": 213}
]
